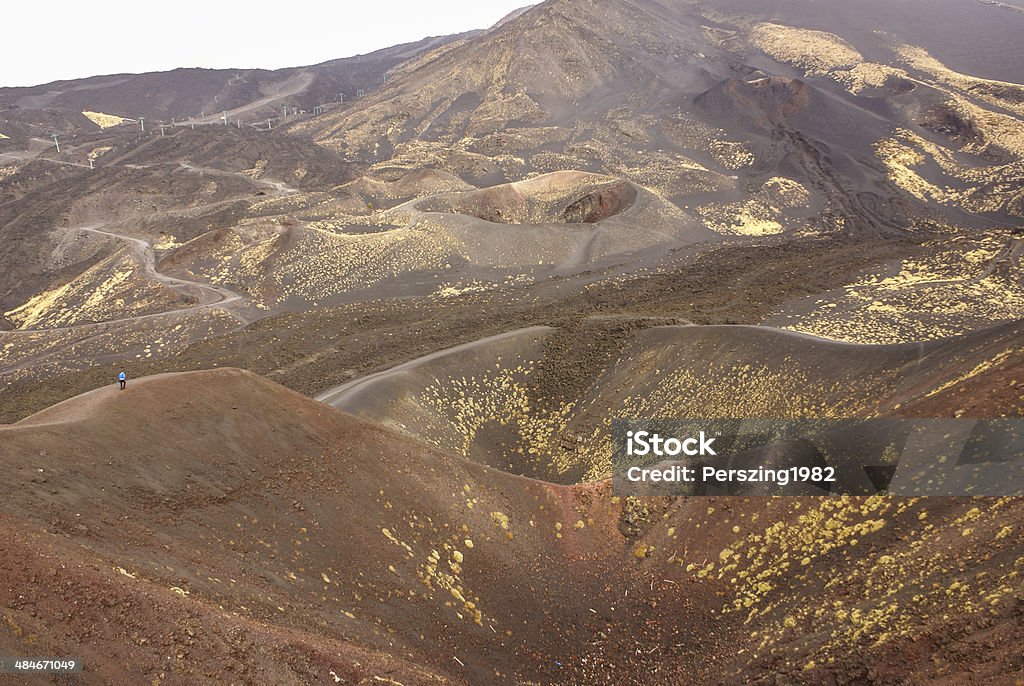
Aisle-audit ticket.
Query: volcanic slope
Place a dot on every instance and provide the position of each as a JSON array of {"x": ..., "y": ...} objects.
[
  {"x": 707, "y": 102},
  {"x": 670, "y": 125},
  {"x": 249, "y": 95},
  {"x": 540, "y": 401},
  {"x": 215, "y": 526},
  {"x": 165, "y": 190},
  {"x": 312, "y": 350},
  {"x": 959, "y": 284},
  {"x": 283, "y": 223},
  {"x": 589, "y": 94}
]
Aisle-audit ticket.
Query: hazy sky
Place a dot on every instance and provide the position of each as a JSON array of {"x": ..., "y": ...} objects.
[{"x": 48, "y": 41}]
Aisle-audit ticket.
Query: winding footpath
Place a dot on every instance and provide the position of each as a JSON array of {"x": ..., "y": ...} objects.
[{"x": 144, "y": 254}]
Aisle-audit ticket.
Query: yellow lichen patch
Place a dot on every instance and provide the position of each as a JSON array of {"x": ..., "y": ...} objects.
[
  {"x": 999, "y": 93},
  {"x": 465, "y": 405},
  {"x": 816, "y": 52},
  {"x": 456, "y": 290},
  {"x": 166, "y": 241},
  {"x": 765, "y": 556},
  {"x": 731, "y": 154},
  {"x": 980, "y": 368},
  {"x": 900, "y": 159},
  {"x": 104, "y": 121},
  {"x": 888, "y": 594},
  {"x": 867, "y": 75},
  {"x": 995, "y": 129},
  {"x": 96, "y": 153},
  {"x": 500, "y": 519},
  {"x": 113, "y": 288},
  {"x": 433, "y": 576},
  {"x": 819, "y": 53},
  {"x": 319, "y": 263},
  {"x": 962, "y": 181},
  {"x": 787, "y": 388},
  {"x": 391, "y": 537},
  {"x": 257, "y": 169},
  {"x": 762, "y": 213},
  {"x": 962, "y": 283}
]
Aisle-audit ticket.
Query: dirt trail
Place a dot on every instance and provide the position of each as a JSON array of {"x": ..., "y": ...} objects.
[
  {"x": 1010, "y": 254},
  {"x": 144, "y": 254},
  {"x": 296, "y": 510},
  {"x": 142, "y": 251},
  {"x": 283, "y": 89},
  {"x": 279, "y": 186},
  {"x": 35, "y": 150},
  {"x": 336, "y": 396},
  {"x": 85, "y": 405}
]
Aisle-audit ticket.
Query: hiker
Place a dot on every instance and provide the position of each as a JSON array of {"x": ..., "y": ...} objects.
[{"x": 122, "y": 379}]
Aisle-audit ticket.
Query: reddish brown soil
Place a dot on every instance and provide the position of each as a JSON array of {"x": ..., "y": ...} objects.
[{"x": 268, "y": 509}]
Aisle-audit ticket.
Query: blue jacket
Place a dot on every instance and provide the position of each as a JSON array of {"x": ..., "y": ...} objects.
[{"x": 121, "y": 376}]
